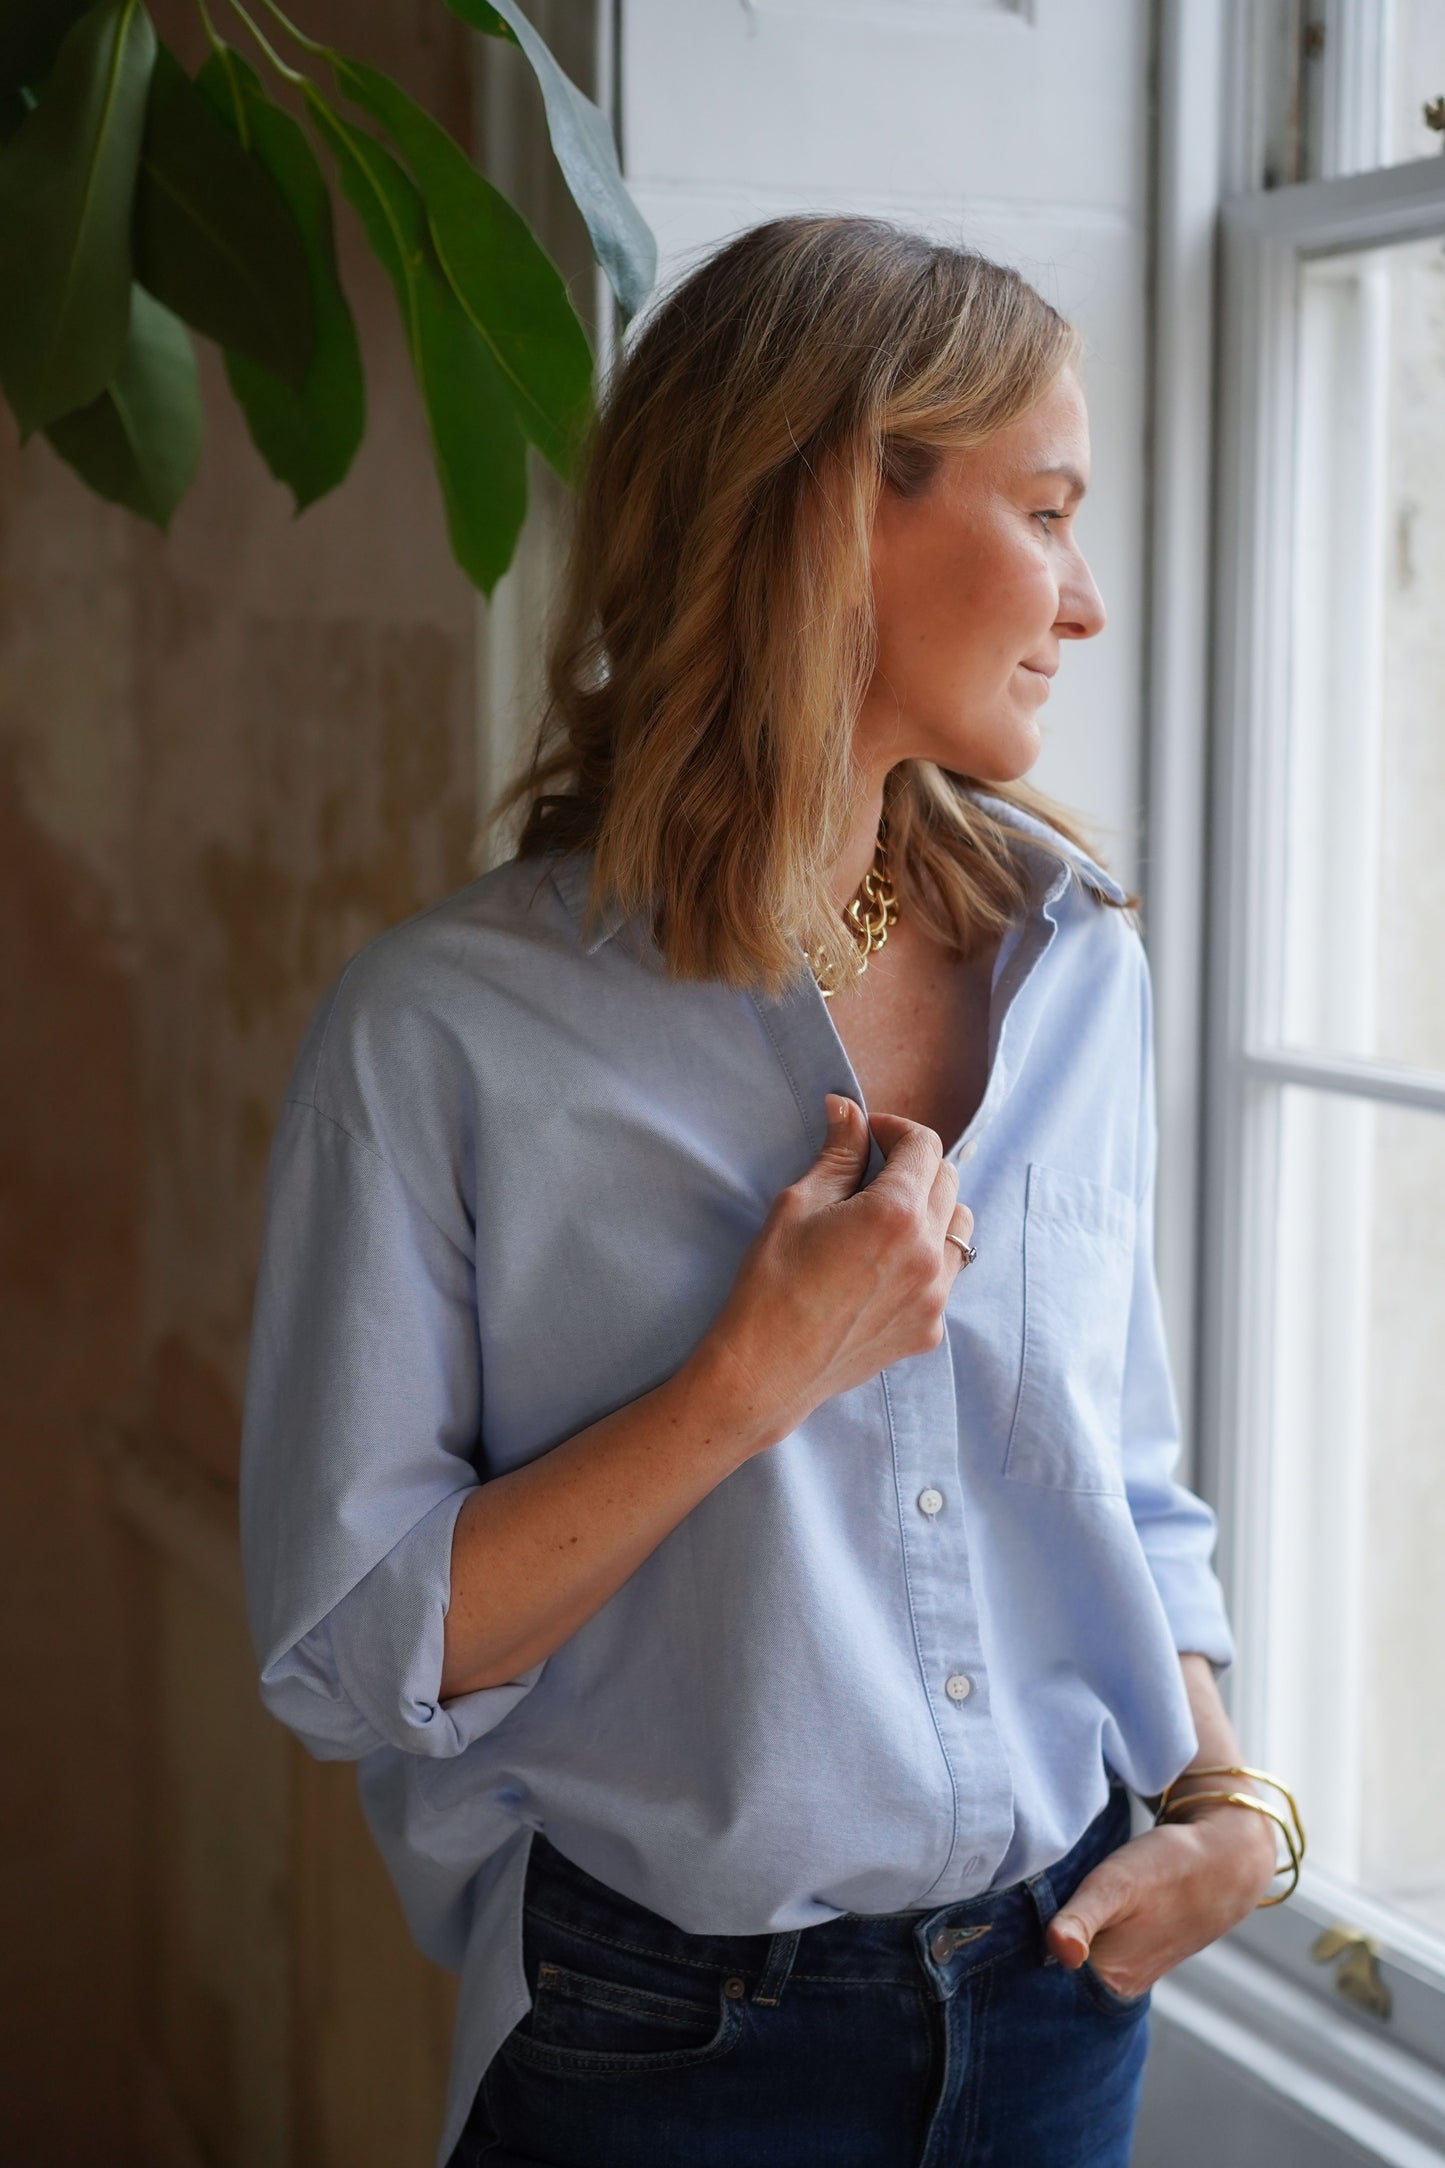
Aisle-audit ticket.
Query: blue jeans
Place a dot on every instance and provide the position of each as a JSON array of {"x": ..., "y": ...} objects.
[{"x": 944, "y": 2039}]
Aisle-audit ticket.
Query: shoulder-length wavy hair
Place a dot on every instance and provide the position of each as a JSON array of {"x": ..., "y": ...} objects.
[{"x": 712, "y": 638}]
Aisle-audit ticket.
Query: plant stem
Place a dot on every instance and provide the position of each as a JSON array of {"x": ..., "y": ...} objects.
[
  {"x": 217, "y": 44},
  {"x": 222, "y": 52},
  {"x": 291, "y": 75},
  {"x": 310, "y": 45}
]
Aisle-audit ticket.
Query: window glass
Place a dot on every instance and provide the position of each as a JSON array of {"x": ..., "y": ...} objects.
[
  {"x": 1416, "y": 66},
  {"x": 1364, "y": 828},
  {"x": 1357, "y": 1625}
]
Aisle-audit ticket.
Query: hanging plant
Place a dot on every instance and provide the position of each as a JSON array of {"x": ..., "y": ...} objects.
[{"x": 139, "y": 204}]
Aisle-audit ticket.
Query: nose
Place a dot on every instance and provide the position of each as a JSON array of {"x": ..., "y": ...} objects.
[{"x": 1081, "y": 606}]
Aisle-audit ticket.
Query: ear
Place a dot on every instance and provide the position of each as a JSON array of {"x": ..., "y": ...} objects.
[{"x": 908, "y": 466}]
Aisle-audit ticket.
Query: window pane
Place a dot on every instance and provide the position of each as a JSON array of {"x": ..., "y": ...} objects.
[
  {"x": 1356, "y": 1618},
  {"x": 1416, "y": 75},
  {"x": 1365, "y": 775}
]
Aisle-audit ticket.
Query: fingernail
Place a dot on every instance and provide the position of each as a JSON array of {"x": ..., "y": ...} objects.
[{"x": 1071, "y": 1937}]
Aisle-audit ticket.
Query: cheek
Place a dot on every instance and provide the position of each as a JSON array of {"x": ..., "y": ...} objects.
[
  {"x": 1022, "y": 596},
  {"x": 956, "y": 609},
  {"x": 970, "y": 631},
  {"x": 933, "y": 602}
]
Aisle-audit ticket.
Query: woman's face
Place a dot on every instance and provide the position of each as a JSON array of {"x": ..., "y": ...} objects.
[{"x": 976, "y": 585}]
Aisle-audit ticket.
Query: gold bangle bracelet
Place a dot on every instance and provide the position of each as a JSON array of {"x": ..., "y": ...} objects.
[
  {"x": 1239, "y": 1769},
  {"x": 1261, "y": 1806}
]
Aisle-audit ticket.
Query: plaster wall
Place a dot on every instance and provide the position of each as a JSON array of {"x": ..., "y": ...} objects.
[{"x": 228, "y": 755}]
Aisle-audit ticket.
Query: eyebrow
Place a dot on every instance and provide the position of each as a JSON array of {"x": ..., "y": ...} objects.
[{"x": 1071, "y": 475}]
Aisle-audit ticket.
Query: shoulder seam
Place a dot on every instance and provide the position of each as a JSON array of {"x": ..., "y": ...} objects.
[
  {"x": 341, "y": 980},
  {"x": 310, "y": 1106},
  {"x": 427, "y": 910}
]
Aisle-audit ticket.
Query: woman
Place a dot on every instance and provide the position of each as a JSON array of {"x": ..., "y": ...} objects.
[{"x": 749, "y": 1602}]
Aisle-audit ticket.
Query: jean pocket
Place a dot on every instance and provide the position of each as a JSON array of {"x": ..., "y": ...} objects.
[
  {"x": 624, "y": 2013},
  {"x": 1107, "y": 1998},
  {"x": 1079, "y": 1237}
]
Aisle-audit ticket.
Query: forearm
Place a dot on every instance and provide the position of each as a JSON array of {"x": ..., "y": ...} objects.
[
  {"x": 1219, "y": 1748},
  {"x": 814, "y": 1309},
  {"x": 1218, "y": 1745},
  {"x": 538, "y": 1551}
]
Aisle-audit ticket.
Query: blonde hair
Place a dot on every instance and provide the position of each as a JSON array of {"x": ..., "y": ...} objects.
[{"x": 713, "y": 635}]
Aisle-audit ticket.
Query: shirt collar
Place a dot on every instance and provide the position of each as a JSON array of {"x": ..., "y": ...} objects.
[
  {"x": 572, "y": 874},
  {"x": 1029, "y": 824}
]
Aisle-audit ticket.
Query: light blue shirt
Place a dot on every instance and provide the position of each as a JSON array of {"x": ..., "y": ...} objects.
[{"x": 883, "y": 1664}]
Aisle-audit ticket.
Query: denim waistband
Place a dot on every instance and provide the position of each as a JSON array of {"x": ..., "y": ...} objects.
[{"x": 946, "y": 1939}]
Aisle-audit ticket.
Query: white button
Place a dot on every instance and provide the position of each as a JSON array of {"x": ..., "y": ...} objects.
[
  {"x": 929, "y": 1501},
  {"x": 966, "y": 1151},
  {"x": 959, "y": 1686}
]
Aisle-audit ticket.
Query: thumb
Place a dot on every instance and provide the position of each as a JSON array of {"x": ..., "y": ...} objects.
[
  {"x": 1070, "y": 1937},
  {"x": 835, "y": 1169},
  {"x": 1098, "y": 1900}
]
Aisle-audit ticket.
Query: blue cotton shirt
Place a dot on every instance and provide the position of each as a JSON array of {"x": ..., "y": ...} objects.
[{"x": 883, "y": 1664}]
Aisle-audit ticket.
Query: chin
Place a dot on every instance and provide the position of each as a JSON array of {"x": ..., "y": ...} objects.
[
  {"x": 1006, "y": 759},
  {"x": 998, "y": 754}
]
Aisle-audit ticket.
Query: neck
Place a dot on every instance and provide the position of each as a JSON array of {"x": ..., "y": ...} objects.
[{"x": 854, "y": 860}]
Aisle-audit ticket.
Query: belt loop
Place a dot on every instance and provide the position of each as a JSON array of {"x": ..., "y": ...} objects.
[
  {"x": 782, "y": 1949},
  {"x": 1046, "y": 1904}
]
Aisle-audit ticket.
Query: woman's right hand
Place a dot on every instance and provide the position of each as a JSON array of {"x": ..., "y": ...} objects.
[
  {"x": 837, "y": 1284},
  {"x": 833, "y": 1287}
]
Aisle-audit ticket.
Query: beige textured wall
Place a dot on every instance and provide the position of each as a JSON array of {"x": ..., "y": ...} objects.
[{"x": 227, "y": 756}]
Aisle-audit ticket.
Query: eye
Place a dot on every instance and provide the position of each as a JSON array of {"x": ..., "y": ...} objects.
[{"x": 1051, "y": 515}]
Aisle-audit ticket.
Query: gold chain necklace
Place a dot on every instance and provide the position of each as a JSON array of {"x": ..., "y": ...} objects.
[{"x": 873, "y": 910}]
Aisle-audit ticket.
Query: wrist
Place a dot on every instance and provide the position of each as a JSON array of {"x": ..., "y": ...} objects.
[
  {"x": 731, "y": 1403},
  {"x": 1240, "y": 1833}
]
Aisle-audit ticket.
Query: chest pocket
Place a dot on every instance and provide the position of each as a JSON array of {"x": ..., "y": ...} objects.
[{"x": 1078, "y": 1277}]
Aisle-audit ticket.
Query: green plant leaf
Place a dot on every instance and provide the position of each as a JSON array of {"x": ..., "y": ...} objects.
[
  {"x": 214, "y": 236},
  {"x": 480, "y": 451},
  {"x": 30, "y": 36},
  {"x": 67, "y": 183},
  {"x": 139, "y": 443},
  {"x": 308, "y": 438},
  {"x": 587, "y": 153},
  {"x": 508, "y": 285}
]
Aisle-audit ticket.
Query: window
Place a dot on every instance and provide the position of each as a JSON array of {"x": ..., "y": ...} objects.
[{"x": 1322, "y": 1333}]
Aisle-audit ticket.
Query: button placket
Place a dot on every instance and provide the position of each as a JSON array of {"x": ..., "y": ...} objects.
[{"x": 921, "y": 1405}]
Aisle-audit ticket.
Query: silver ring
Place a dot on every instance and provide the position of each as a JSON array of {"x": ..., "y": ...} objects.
[{"x": 965, "y": 1249}]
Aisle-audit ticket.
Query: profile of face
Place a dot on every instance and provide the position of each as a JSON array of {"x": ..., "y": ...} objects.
[{"x": 977, "y": 582}]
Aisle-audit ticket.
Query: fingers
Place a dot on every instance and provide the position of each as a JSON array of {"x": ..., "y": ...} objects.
[
  {"x": 960, "y": 1227},
  {"x": 839, "y": 1166},
  {"x": 948, "y": 1217},
  {"x": 912, "y": 1152},
  {"x": 914, "y": 1164},
  {"x": 942, "y": 1196}
]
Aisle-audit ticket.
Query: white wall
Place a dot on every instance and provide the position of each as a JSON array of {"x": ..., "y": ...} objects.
[{"x": 1022, "y": 130}]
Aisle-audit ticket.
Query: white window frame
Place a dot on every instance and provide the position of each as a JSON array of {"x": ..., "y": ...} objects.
[
  {"x": 1257, "y": 1999},
  {"x": 1265, "y": 238},
  {"x": 1253, "y": 2012}
]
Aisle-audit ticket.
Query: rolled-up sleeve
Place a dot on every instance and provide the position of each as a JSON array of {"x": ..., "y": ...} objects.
[
  {"x": 1177, "y": 1529},
  {"x": 361, "y": 1423}
]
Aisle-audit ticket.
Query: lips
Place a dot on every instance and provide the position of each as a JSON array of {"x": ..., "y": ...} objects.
[{"x": 1038, "y": 671}]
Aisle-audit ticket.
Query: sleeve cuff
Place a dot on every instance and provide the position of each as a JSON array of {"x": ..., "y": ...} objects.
[
  {"x": 369, "y": 1674},
  {"x": 1194, "y": 1606}
]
